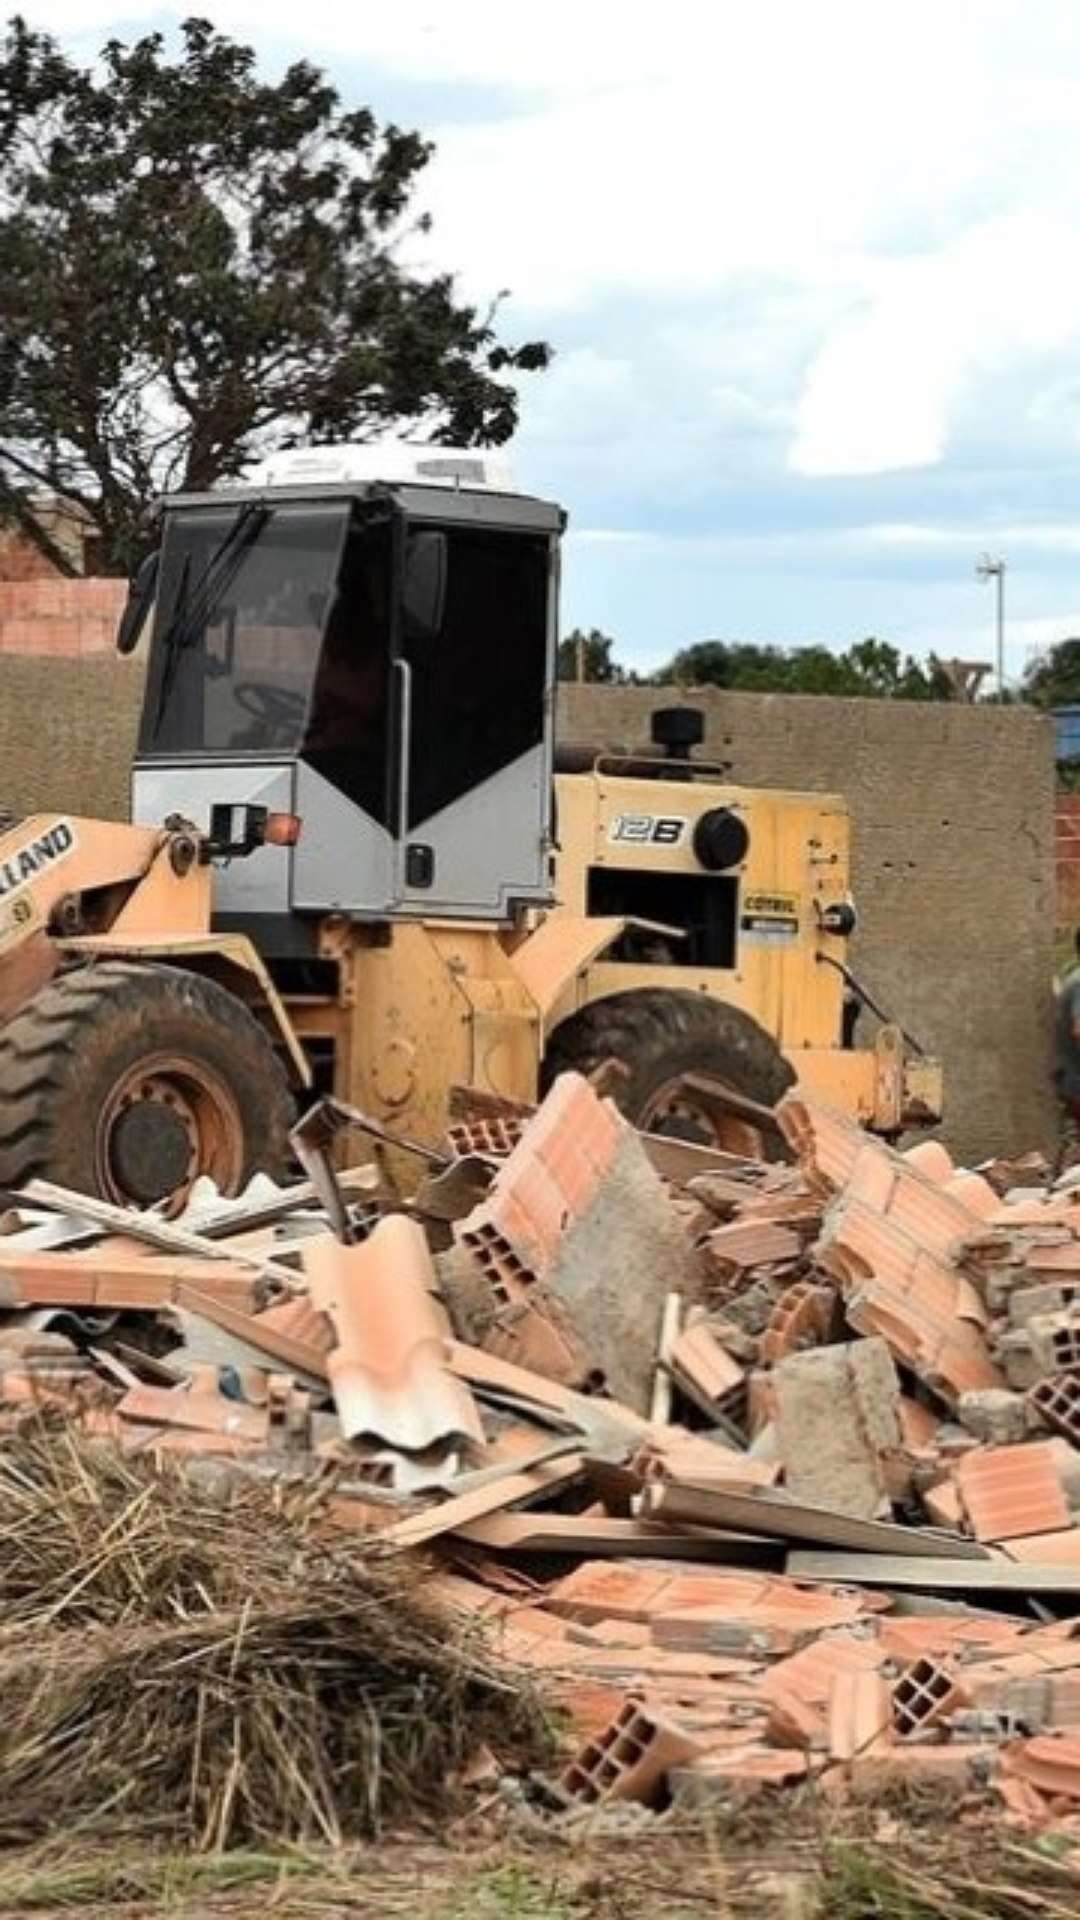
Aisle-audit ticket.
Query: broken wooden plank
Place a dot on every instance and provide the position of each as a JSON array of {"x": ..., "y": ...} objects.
[
  {"x": 508, "y": 1384},
  {"x": 597, "y": 1537},
  {"x": 660, "y": 1410},
  {"x": 706, "y": 1374},
  {"x": 907, "y": 1570},
  {"x": 198, "y": 1412},
  {"x": 300, "y": 1355},
  {"x": 457, "y": 1512},
  {"x": 206, "y": 1343},
  {"x": 769, "y": 1513},
  {"x": 148, "y": 1227},
  {"x": 682, "y": 1160}
]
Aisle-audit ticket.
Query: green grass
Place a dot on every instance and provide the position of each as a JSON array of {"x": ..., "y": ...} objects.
[
  {"x": 163, "y": 1879},
  {"x": 1023, "y": 1881},
  {"x": 508, "y": 1893},
  {"x": 689, "y": 1872},
  {"x": 280, "y": 1883}
]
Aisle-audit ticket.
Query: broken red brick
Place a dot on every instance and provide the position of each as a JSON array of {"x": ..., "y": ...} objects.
[
  {"x": 1010, "y": 1491},
  {"x": 859, "y": 1716},
  {"x": 800, "y": 1318},
  {"x": 1050, "y": 1762},
  {"x": 704, "y": 1371},
  {"x": 629, "y": 1759},
  {"x": 924, "y": 1695},
  {"x": 1056, "y": 1401}
]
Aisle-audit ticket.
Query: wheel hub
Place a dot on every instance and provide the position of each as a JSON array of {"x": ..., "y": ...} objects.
[
  {"x": 674, "y": 1112},
  {"x": 162, "y": 1127},
  {"x": 150, "y": 1149}
]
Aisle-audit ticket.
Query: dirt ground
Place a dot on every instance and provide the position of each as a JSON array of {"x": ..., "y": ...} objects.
[{"x": 778, "y": 1861}]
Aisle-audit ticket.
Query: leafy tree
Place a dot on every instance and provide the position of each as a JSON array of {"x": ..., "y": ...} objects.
[
  {"x": 200, "y": 265},
  {"x": 588, "y": 656},
  {"x": 870, "y": 669},
  {"x": 1054, "y": 679}
]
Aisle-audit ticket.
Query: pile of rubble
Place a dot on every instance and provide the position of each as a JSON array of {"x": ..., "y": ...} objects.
[{"x": 770, "y": 1470}]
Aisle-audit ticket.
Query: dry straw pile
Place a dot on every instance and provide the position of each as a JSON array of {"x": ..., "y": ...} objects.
[{"x": 210, "y": 1661}]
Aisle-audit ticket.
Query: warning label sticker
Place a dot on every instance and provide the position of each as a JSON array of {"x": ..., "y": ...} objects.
[
  {"x": 770, "y": 919},
  {"x": 18, "y": 917}
]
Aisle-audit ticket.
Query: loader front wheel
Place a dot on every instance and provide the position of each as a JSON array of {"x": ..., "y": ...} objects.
[
  {"x": 128, "y": 1082},
  {"x": 657, "y": 1037}
]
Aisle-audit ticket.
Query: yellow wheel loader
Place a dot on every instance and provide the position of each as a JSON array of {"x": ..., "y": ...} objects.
[{"x": 354, "y": 868}]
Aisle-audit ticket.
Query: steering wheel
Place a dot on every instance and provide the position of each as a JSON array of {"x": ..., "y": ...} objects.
[
  {"x": 279, "y": 709},
  {"x": 276, "y": 705}
]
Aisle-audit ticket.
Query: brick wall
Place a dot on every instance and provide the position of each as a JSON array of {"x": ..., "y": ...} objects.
[
  {"x": 21, "y": 560},
  {"x": 57, "y": 617},
  {"x": 1067, "y": 858}
]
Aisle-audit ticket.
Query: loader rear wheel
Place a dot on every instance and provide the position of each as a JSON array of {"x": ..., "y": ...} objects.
[
  {"x": 658, "y": 1036},
  {"x": 127, "y": 1082}
]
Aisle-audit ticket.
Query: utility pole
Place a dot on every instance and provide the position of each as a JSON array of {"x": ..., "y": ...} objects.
[{"x": 988, "y": 569}]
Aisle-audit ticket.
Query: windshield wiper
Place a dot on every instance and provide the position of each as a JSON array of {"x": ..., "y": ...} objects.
[{"x": 190, "y": 614}]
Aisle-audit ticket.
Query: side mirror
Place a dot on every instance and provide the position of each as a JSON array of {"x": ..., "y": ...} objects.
[
  {"x": 139, "y": 602},
  {"x": 424, "y": 592}
]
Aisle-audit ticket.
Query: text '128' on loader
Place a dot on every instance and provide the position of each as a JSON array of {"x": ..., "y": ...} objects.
[{"x": 353, "y": 867}]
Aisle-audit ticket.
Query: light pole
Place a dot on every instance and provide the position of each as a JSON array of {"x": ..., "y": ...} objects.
[{"x": 988, "y": 569}]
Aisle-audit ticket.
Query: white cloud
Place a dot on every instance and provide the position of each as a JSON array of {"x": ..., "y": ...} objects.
[
  {"x": 733, "y": 140},
  {"x": 776, "y": 246},
  {"x": 893, "y": 541},
  {"x": 884, "y": 389}
]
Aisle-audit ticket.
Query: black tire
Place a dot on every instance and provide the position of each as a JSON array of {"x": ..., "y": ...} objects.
[
  {"x": 108, "y": 1061},
  {"x": 656, "y": 1035}
]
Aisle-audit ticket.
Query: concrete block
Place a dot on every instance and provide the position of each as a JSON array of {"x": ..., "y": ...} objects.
[
  {"x": 996, "y": 1414},
  {"x": 1055, "y": 1340},
  {"x": 1015, "y": 1354},
  {"x": 1026, "y": 1303},
  {"x": 838, "y": 1426}
]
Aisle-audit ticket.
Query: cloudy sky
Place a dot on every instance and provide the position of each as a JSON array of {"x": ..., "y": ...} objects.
[{"x": 812, "y": 272}]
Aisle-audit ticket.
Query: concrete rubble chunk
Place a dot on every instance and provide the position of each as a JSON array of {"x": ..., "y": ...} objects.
[
  {"x": 1018, "y": 1360},
  {"x": 996, "y": 1415},
  {"x": 1026, "y": 1303},
  {"x": 837, "y": 1426}
]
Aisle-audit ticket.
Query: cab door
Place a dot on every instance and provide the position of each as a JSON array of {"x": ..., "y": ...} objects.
[{"x": 473, "y": 672}]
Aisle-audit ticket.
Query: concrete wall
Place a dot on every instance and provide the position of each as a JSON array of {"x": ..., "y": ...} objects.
[
  {"x": 953, "y": 810},
  {"x": 67, "y": 733},
  {"x": 954, "y": 845}
]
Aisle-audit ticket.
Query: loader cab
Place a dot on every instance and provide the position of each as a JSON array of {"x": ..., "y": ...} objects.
[{"x": 363, "y": 639}]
